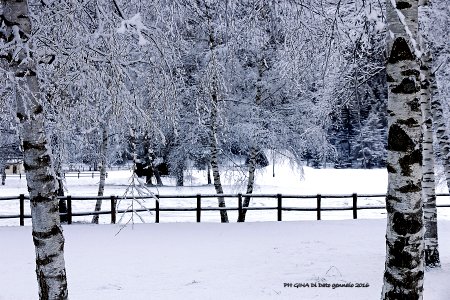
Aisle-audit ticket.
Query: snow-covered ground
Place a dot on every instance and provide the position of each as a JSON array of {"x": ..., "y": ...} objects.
[
  {"x": 257, "y": 260},
  {"x": 217, "y": 261}
]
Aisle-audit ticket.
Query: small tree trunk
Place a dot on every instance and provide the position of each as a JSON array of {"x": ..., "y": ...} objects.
[
  {"x": 428, "y": 182},
  {"x": 179, "y": 174},
  {"x": 62, "y": 202},
  {"x": 208, "y": 175},
  {"x": 404, "y": 270},
  {"x": 38, "y": 162},
  {"x": 214, "y": 90},
  {"x": 3, "y": 170},
  {"x": 101, "y": 185},
  {"x": 157, "y": 176},
  {"x": 250, "y": 183}
]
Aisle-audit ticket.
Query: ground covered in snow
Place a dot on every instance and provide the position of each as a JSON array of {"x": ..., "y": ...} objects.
[
  {"x": 179, "y": 259},
  {"x": 217, "y": 261}
]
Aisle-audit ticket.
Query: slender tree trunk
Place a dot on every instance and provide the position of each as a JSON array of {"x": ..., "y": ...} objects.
[
  {"x": 41, "y": 180},
  {"x": 214, "y": 90},
  {"x": 179, "y": 174},
  {"x": 208, "y": 175},
  {"x": 62, "y": 203},
  {"x": 3, "y": 171},
  {"x": 253, "y": 150},
  {"x": 157, "y": 176},
  {"x": 428, "y": 182},
  {"x": 404, "y": 271},
  {"x": 101, "y": 185},
  {"x": 440, "y": 128},
  {"x": 250, "y": 183},
  {"x": 215, "y": 168}
]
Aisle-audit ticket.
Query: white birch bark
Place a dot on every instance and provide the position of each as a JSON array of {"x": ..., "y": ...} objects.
[
  {"x": 214, "y": 90},
  {"x": 253, "y": 150},
  {"x": 404, "y": 270},
  {"x": 101, "y": 185},
  {"x": 428, "y": 181},
  {"x": 41, "y": 180}
]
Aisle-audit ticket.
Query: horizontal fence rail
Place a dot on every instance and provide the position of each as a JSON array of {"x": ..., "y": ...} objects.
[
  {"x": 81, "y": 174},
  {"x": 279, "y": 207}
]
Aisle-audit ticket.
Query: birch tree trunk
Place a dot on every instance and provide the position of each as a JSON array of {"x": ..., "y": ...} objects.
[
  {"x": 253, "y": 150},
  {"x": 440, "y": 128},
  {"x": 428, "y": 182},
  {"x": 101, "y": 185},
  {"x": 41, "y": 180},
  {"x": 214, "y": 161},
  {"x": 214, "y": 90},
  {"x": 404, "y": 270}
]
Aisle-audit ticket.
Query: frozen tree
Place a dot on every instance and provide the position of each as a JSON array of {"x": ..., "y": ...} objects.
[
  {"x": 17, "y": 49},
  {"x": 404, "y": 270},
  {"x": 428, "y": 181}
]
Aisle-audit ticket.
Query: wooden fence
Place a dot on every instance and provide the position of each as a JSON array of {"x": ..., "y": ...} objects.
[
  {"x": 80, "y": 174},
  {"x": 279, "y": 208}
]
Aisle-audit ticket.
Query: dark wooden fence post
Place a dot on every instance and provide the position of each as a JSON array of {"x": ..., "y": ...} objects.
[
  {"x": 156, "y": 210},
  {"x": 319, "y": 206},
  {"x": 69, "y": 209},
  {"x": 239, "y": 205},
  {"x": 199, "y": 208},
  {"x": 355, "y": 206},
  {"x": 279, "y": 207},
  {"x": 22, "y": 209},
  {"x": 113, "y": 209}
]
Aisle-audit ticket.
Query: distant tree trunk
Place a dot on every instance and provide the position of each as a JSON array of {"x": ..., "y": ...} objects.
[
  {"x": 404, "y": 270},
  {"x": 38, "y": 162},
  {"x": 3, "y": 170},
  {"x": 59, "y": 178},
  {"x": 179, "y": 174},
  {"x": 253, "y": 150},
  {"x": 101, "y": 185},
  {"x": 428, "y": 182},
  {"x": 250, "y": 183},
  {"x": 157, "y": 176},
  {"x": 214, "y": 90},
  {"x": 62, "y": 203},
  {"x": 208, "y": 175}
]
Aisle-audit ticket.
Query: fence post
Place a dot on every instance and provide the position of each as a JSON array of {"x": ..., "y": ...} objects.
[
  {"x": 355, "y": 207},
  {"x": 22, "y": 209},
  {"x": 239, "y": 205},
  {"x": 279, "y": 207},
  {"x": 92, "y": 174},
  {"x": 69, "y": 210},
  {"x": 78, "y": 174},
  {"x": 113, "y": 209},
  {"x": 319, "y": 206},
  {"x": 156, "y": 210},
  {"x": 199, "y": 208}
]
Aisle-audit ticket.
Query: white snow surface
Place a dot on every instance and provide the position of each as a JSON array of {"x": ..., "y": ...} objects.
[
  {"x": 179, "y": 259},
  {"x": 216, "y": 261}
]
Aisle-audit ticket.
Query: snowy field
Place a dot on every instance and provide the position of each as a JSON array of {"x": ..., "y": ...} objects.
[
  {"x": 257, "y": 260},
  {"x": 217, "y": 261},
  {"x": 287, "y": 181}
]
